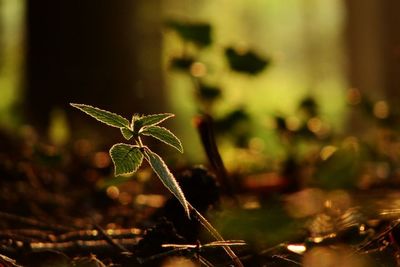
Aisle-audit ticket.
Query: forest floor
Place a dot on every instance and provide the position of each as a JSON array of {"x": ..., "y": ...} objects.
[{"x": 62, "y": 207}]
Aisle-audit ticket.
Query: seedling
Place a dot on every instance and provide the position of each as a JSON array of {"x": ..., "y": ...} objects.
[{"x": 127, "y": 158}]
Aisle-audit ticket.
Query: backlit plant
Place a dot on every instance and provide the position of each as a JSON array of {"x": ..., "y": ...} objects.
[{"x": 127, "y": 158}]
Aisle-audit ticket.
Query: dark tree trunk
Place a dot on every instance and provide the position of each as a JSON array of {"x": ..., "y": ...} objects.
[
  {"x": 373, "y": 39},
  {"x": 99, "y": 52}
]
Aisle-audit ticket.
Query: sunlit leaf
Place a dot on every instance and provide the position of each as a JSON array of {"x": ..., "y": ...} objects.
[
  {"x": 166, "y": 177},
  {"x": 163, "y": 135},
  {"x": 126, "y": 158},
  {"x": 127, "y": 133},
  {"x": 198, "y": 33},
  {"x": 248, "y": 62},
  {"x": 135, "y": 117},
  {"x": 103, "y": 116},
  {"x": 150, "y": 120}
]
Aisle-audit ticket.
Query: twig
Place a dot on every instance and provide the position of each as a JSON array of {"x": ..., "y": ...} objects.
[
  {"x": 378, "y": 237},
  {"x": 286, "y": 259},
  {"x": 90, "y": 234},
  {"x": 13, "y": 241},
  {"x": 33, "y": 234},
  {"x": 205, "y": 262},
  {"x": 81, "y": 246},
  {"x": 6, "y": 259},
  {"x": 109, "y": 240},
  {"x": 207, "y": 225},
  {"x": 268, "y": 250}
]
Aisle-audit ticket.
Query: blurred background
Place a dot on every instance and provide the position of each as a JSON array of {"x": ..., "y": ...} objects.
[
  {"x": 303, "y": 97},
  {"x": 119, "y": 56}
]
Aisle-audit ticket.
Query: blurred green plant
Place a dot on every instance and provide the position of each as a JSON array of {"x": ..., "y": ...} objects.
[
  {"x": 207, "y": 94},
  {"x": 364, "y": 156}
]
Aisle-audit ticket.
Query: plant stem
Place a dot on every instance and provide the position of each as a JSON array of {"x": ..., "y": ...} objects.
[
  {"x": 204, "y": 125},
  {"x": 139, "y": 142},
  {"x": 207, "y": 225}
]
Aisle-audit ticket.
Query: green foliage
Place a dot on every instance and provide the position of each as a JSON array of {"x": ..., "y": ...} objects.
[
  {"x": 127, "y": 133},
  {"x": 127, "y": 158},
  {"x": 150, "y": 120},
  {"x": 166, "y": 177},
  {"x": 104, "y": 116},
  {"x": 163, "y": 135},
  {"x": 189, "y": 60}
]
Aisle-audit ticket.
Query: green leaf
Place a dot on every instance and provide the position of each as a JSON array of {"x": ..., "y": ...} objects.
[
  {"x": 126, "y": 158},
  {"x": 135, "y": 117},
  {"x": 166, "y": 177},
  {"x": 103, "y": 116},
  {"x": 247, "y": 62},
  {"x": 150, "y": 120},
  {"x": 127, "y": 133},
  {"x": 163, "y": 135}
]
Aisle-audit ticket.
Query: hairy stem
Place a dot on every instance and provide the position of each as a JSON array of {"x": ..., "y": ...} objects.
[{"x": 207, "y": 225}]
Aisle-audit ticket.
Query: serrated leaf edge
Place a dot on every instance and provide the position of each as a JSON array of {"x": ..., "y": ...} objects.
[
  {"x": 78, "y": 106},
  {"x": 124, "y": 135},
  {"x": 179, "y": 194},
  {"x": 180, "y": 148},
  {"x": 115, "y": 168},
  {"x": 170, "y": 115}
]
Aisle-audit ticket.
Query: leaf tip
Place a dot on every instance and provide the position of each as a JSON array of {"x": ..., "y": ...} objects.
[
  {"x": 187, "y": 211},
  {"x": 78, "y": 106}
]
